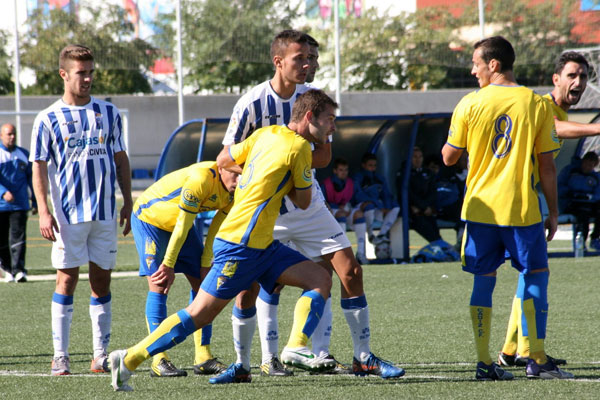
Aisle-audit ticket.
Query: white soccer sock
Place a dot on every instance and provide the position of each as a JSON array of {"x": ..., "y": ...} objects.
[
  {"x": 321, "y": 337},
  {"x": 389, "y": 220},
  {"x": 342, "y": 225},
  {"x": 360, "y": 229},
  {"x": 101, "y": 316},
  {"x": 62, "y": 315},
  {"x": 243, "y": 331},
  {"x": 268, "y": 329},
  {"x": 369, "y": 218},
  {"x": 358, "y": 322}
]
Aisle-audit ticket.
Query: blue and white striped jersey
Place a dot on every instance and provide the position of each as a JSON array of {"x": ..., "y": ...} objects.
[
  {"x": 261, "y": 107},
  {"x": 258, "y": 108},
  {"x": 79, "y": 143}
]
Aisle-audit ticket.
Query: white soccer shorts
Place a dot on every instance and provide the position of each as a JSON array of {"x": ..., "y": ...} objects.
[
  {"x": 313, "y": 232},
  {"x": 78, "y": 244}
]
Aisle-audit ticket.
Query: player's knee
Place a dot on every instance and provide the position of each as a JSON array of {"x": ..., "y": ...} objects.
[
  {"x": 358, "y": 214},
  {"x": 247, "y": 298},
  {"x": 66, "y": 283}
]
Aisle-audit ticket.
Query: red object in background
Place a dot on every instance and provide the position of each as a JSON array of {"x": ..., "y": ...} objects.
[
  {"x": 58, "y": 3},
  {"x": 163, "y": 66},
  {"x": 586, "y": 22}
]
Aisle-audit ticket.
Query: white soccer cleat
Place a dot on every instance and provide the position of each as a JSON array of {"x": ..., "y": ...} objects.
[
  {"x": 303, "y": 358},
  {"x": 119, "y": 372}
]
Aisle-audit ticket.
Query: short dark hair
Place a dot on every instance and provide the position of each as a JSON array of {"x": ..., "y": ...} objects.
[
  {"x": 368, "y": 157},
  {"x": 311, "y": 41},
  {"x": 590, "y": 155},
  {"x": 76, "y": 52},
  {"x": 312, "y": 100},
  {"x": 283, "y": 40},
  {"x": 570, "y": 56},
  {"x": 497, "y": 48},
  {"x": 339, "y": 161}
]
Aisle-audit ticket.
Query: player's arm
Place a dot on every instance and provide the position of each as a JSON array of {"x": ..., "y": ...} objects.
[
  {"x": 165, "y": 275},
  {"x": 547, "y": 171},
  {"x": 40, "y": 188},
  {"x": 124, "y": 180},
  {"x": 321, "y": 155},
  {"x": 451, "y": 154},
  {"x": 302, "y": 178},
  {"x": 226, "y": 161},
  {"x": 300, "y": 197},
  {"x": 207, "y": 253},
  {"x": 573, "y": 130}
]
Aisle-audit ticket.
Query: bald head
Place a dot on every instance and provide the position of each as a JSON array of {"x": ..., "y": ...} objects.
[{"x": 8, "y": 136}]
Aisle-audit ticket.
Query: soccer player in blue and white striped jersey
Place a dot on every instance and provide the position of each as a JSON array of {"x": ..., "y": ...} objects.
[
  {"x": 78, "y": 151},
  {"x": 314, "y": 231}
]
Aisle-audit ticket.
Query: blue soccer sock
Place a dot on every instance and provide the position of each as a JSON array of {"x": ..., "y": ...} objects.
[{"x": 535, "y": 313}]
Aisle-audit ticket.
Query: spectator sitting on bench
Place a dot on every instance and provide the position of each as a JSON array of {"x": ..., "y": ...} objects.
[
  {"x": 421, "y": 198},
  {"x": 449, "y": 195},
  {"x": 338, "y": 191},
  {"x": 374, "y": 199},
  {"x": 579, "y": 194}
]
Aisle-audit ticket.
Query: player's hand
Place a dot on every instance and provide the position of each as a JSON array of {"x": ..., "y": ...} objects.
[
  {"x": 125, "y": 219},
  {"x": 163, "y": 277},
  {"x": 47, "y": 227},
  {"x": 550, "y": 225},
  {"x": 8, "y": 197}
]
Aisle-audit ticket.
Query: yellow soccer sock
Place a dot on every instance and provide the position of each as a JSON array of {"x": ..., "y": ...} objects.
[
  {"x": 170, "y": 332},
  {"x": 481, "y": 317},
  {"x": 513, "y": 331},
  {"x": 307, "y": 314},
  {"x": 202, "y": 351}
]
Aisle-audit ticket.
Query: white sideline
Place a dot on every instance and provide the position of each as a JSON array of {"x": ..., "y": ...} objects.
[{"x": 82, "y": 276}]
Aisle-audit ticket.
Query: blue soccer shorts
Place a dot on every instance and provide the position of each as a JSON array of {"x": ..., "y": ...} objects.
[
  {"x": 151, "y": 243},
  {"x": 485, "y": 245},
  {"x": 235, "y": 267}
]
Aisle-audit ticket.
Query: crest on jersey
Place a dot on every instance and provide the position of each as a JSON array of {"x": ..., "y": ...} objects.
[
  {"x": 98, "y": 120},
  {"x": 554, "y": 134},
  {"x": 307, "y": 174},
  {"x": 189, "y": 199}
]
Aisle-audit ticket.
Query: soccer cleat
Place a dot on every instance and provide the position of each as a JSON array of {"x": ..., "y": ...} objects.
[
  {"x": 100, "y": 364},
  {"x": 376, "y": 366},
  {"x": 274, "y": 367},
  {"x": 209, "y": 367},
  {"x": 61, "y": 365},
  {"x": 491, "y": 372},
  {"x": 340, "y": 369},
  {"x": 375, "y": 240},
  {"x": 521, "y": 361},
  {"x": 119, "y": 373},
  {"x": 165, "y": 369},
  {"x": 362, "y": 259},
  {"x": 303, "y": 358},
  {"x": 546, "y": 371},
  {"x": 21, "y": 277},
  {"x": 234, "y": 374},
  {"x": 8, "y": 277},
  {"x": 506, "y": 360}
]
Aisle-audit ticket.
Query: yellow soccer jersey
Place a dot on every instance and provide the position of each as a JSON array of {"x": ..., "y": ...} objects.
[
  {"x": 193, "y": 189},
  {"x": 558, "y": 113},
  {"x": 502, "y": 127},
  {"x": 275, "y": 160}
]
